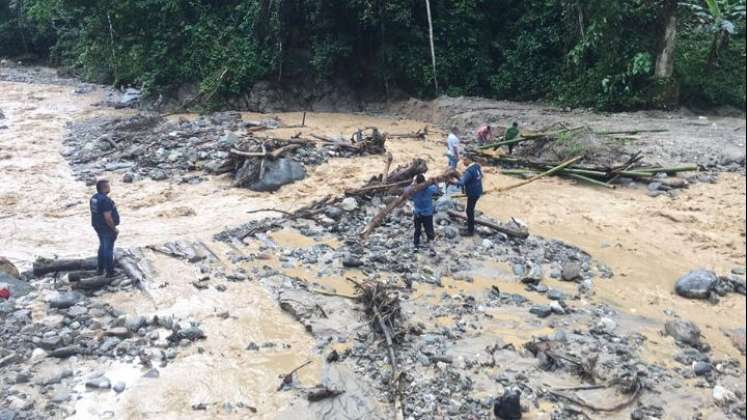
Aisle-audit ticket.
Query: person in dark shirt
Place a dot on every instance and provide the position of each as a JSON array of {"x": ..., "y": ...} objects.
[
  {"x": 471, "y": 183},
  {"x": 423, "y": 211},
  {"x": 105, "y": 219},
  {"x": 512, "y": 134}
]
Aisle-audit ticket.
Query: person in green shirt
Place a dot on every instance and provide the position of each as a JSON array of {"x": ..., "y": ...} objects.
[{"x": 511, "y": 134}]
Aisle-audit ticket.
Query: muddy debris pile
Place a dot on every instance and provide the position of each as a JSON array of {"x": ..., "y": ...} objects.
[
  {"x": 603, "y": 161},
  {"x": 52, "y": 353},
  {"x": 150, "y": 146}
]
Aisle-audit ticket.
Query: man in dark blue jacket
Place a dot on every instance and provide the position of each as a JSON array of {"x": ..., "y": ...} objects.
[
  {"x": 423, "y": 211},
  {"x": 471, "y": 183},
  {"x": 105, "y": 219}
]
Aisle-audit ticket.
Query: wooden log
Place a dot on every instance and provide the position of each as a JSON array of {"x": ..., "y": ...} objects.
[
  {"x": 387, "y": 166},
  {"x": 408, "y": 172},
  {"x": 93, "y": 283},
  {"x": 540, "y": 176},
  {"x": 277, "y": 153},
  {"x": 588, "y": 180},
  {"x": 514, "y": 233},
  {"x": 379, "y": 218},
  {"x": 42, "y": 267},
  {"x": 241, "y": 153},
  {"x": 633, "y": 132},
  {"x": 377, "y": 188}
]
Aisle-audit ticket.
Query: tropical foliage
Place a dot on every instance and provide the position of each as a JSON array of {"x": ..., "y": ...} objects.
[{"x": 591, "y": 53}]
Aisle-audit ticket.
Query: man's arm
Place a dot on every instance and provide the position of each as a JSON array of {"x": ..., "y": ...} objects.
[{"x": 110, "y": 221}]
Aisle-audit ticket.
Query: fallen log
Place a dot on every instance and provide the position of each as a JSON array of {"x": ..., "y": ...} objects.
[
  {"x": 408, "y": 172},
  {"x": 632, "y": 132},
  {"x": 42, "y": 266},
  {"x": 379, "y": 218},
  {"x": 374, "y": 189},
  {"x": 93, "y": 283},
  {"x": 387, "y": 166},
  {"x": 514, "y": 233}
]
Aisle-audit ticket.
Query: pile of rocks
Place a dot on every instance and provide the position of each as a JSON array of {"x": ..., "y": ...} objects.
[
  {"x": 52, "y": 338},
  {"x": 149, "y": 146}
]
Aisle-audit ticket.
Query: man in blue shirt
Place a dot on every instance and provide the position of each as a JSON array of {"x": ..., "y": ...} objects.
[
  {"x": 423, "y": 210},
  {"x": 105, "y": 219},
  {"x": 471, "y": 183}
]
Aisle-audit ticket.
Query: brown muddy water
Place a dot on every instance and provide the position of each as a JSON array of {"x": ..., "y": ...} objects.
[{"x": 648, "y": 242}]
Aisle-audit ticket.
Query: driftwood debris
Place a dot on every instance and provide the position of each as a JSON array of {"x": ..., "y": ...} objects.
[
  {"x": 394, "y": 182},
  {"x": 288, "y": 378},
  {"x": 514, "y": 232},
  {"x": 322, "y": 392},
  {"x": 402, "y": 199}
]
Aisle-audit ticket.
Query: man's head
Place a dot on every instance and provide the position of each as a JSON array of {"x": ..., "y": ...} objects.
[
  {"x": 419, "y": 179},
  {"x": 454, "y": 130},
  {"x": 466, "y": 160},
  {"x": 103, "y": 186},
  {"x": 516, "y": 125}
]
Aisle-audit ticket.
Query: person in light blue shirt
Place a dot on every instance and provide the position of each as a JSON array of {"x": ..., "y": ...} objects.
[
  {"x": 423, "y": 210},
  {"x": 454, "y": 148}
]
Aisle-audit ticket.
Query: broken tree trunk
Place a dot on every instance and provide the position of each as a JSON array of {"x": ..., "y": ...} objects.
[
  {"x": 514, "y": 233},
  {"x": 43, "y": 267},
  {"x": 387, "y": 165},
  {"x": 408, "y": 172},
  {"x": 379, "y": 218}
]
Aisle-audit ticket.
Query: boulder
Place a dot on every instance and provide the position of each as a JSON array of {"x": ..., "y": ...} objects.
[
  {"x": 571, "y": 271},
  {"x": 697, "y": 284},
  {"x": 8, "y": 268},
  {"x": 65, "y": 300},
  {"x": 277, "y": 174},
  {"x": 349, "y": 204},
  {"x": 684, "y": 332},
  {"x": 508, "y": 405}
]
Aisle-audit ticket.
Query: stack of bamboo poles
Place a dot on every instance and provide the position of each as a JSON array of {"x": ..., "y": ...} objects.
[{"x": 602, "y": 177}]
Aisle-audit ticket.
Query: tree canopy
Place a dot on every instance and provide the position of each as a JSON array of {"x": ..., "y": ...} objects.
[{"x": 604, "y": 54}]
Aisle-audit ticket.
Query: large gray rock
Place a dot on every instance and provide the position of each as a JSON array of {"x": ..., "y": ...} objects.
[
  {"x": 8, "y": 268},
  {"x": 697, "y": 284},
  {"x": 65, "y": 300},
  {"x": 277, "y": 174},
  {"x": 684, "y": 332}
]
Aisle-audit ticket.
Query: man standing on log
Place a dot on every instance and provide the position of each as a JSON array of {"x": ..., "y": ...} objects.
[
  {"x": 423, "y": 211},
  {"x": 511, "y": 134},
  {"x": 471, "y": 183},
  {"x": 105, "y": 219},
  {"x": 454, "y": 152}
]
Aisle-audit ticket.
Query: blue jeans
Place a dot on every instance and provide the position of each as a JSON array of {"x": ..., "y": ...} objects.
[
  {"x": 106, "y": 250},
  {"x": 453, "y": 161}
]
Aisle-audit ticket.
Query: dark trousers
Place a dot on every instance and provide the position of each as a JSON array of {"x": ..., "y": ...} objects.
[
  {"x": 424, "y": 222},
  {"x": 106, "y": 250},
  {"x": 471, "y": 204}
]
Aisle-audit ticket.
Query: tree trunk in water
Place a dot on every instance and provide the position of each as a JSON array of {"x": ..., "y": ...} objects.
[
  {"x": 665, "y": 60},
  {"x": 433, "y": 46}
]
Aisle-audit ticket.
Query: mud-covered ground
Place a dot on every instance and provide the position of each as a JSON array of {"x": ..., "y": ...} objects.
[{"x": 480, "y": 316}]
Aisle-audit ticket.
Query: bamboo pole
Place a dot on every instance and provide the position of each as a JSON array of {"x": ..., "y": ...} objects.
[
  {"x": 540, "y": 176},
  {"x": 589, "y": 180}
]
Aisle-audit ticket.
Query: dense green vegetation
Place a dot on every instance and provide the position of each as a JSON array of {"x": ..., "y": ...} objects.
[{"x": 605, "y": 54}]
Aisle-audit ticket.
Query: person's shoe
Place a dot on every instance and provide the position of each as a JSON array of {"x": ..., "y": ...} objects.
[
  {"x": 111, "y": 274},
  {"x": 99, "y": 272},
  {"x": 466, "y": 233}
]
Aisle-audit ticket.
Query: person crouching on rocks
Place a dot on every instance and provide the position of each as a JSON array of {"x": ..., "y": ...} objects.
[
  {"x": 423, "y": 210},
  {"x": 105, "y": 219},
  {"x": 471, "y": 183}
]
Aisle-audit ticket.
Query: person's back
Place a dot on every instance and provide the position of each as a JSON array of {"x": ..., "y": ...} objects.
[
  {"x": 454, "y": 152},
  {"x": 484, "y": 134},
  {"x": 472, "y": 180},
  {"x": 100, "y": 203},
  {"x": 423, "y": 201}
]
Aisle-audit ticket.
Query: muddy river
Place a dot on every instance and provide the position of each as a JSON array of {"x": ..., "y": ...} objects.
[{"x": 648, "y": 242}]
